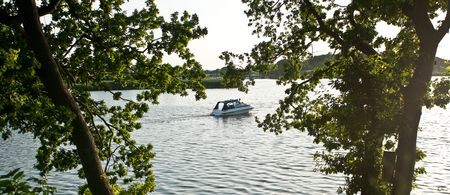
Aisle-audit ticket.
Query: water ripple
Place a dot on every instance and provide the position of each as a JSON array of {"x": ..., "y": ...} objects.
[{"x": 200, "y": 154}]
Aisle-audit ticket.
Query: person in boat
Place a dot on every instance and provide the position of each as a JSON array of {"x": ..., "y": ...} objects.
[{"x": 227, "y": 106}]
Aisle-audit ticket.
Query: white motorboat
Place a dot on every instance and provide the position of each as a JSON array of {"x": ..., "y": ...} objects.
[{"x": 230, "y": 107}]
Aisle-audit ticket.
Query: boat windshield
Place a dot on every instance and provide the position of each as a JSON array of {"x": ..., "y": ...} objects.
[{"x": 226, "y": 105}]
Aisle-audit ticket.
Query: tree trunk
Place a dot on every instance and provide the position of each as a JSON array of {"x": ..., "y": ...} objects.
[
  {"x": 57, "y": 91},
  {"x": 429, "y": 38},
  {"x": 412, "y": 112}
]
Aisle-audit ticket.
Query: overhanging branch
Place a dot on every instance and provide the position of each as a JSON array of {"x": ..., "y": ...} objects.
[
  {"x": 53, "y": 4},
  {"x": 322, "y": 24},
  {"x": 358, "y": 44}
]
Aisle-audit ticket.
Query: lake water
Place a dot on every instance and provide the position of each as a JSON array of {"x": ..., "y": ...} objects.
[{"x": 200, "y": 154}]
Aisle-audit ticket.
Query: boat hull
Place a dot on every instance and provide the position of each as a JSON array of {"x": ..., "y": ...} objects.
[{"x": 230, "y": 112}]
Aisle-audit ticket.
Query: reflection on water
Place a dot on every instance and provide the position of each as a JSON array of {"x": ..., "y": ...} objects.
[{"x": 200, "y": 154}]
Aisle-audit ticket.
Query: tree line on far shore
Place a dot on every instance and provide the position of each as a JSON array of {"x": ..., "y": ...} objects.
[
  {"x": 214, "y": 78},
  {"x": 318, "y": 61}
]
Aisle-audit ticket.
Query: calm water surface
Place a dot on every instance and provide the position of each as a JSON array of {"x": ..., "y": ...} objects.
[{"x": 200, "y": 154}]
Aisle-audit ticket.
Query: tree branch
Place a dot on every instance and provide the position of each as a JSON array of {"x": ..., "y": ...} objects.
[
  {"x": 322, "y": 24},
  {"x": 42, "y": 11},
  {"x": 277, "y": 5},
  {"x": 443, "y": 29},
  {"x": 407, "y": 9},
  {"x": 421, "y": 19},
  {"x": 121, "y": 98},
  {"x": 14, "y": 21},
  {"x": 361, "y": 46},
  {"x": 11, "y": 21},
  {"x": 92, "y": 115}
]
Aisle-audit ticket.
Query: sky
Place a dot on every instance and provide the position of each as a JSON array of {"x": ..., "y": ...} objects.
[
  {"x": 226, "y": 24},
  {"x": 228, "y": 30}
]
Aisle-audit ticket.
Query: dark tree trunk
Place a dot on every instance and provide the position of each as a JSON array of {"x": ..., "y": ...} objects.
[
  {"x": 429, "y": 38},
  {"x": 412, "y": 112},
  {"x": 57, "y": 91}
]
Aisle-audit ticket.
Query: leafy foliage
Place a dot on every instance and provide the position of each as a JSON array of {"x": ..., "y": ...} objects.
[
  {"x": 13, "y": 183},
  {"x": 353, "y": 104},
  {"x": 93, "y": 43}
]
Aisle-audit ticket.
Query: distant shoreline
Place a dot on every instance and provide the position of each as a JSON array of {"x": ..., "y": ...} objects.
[{"x": 209, "y": 83}]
